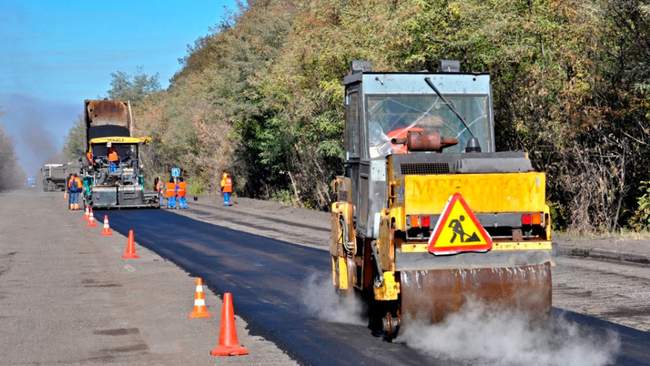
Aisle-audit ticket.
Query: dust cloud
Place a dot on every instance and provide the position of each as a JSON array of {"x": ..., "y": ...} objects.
[
  {"x": 322, "y": 301},
  {"x": 37, "y": 141},
  {"x": 480, "y": 336},
  {"x": 37, "y": 127}
]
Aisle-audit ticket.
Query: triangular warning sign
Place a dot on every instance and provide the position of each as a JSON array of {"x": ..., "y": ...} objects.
[{"x": 458, "y": 230}]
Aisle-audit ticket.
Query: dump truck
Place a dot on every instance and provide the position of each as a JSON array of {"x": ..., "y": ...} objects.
[
  {"x": 428, "y": 216},
  {"x": 113, "y": 175},
  {"x": 54, "y": 175}
]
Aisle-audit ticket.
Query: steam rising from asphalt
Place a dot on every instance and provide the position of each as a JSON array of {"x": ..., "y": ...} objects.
[
  {"x": 322, "y": 301},
  {"x": 477, "y": 334},
  {"x": 483, "y": 337}
]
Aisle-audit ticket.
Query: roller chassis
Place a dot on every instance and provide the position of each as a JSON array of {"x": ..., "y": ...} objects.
[{"x": 375, "y": 250}]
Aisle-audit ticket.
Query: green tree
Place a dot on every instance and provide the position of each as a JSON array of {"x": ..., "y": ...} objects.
[
  {"x": 260, "y": 95},
  {"x": 12, "y": 174},
  {"x": 75, "y": 142},
  {"x": 133, "y": 88}
]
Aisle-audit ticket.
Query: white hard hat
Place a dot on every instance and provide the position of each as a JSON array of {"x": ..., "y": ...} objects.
[{"x": 108, "y": 144}]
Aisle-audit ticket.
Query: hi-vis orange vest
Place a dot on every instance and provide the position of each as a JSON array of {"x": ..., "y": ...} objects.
[
  {"x": 75, "y": 181},
  {"x": 226, "y": 184},
  {"x": 112, "y": 155},
  {"x": 171, "y": 189},
  {"x": 182, "y": 189}
]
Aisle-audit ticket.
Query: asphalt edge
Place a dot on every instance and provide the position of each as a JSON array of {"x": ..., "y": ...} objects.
[{"x": 600, "y": 254}]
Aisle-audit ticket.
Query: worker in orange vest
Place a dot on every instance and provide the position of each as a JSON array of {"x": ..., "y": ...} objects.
[
  {"x": 80, "y": 189},
  {"x": 181, "y": 192},
  {"x": 170, "y": 193},
  {"x": 158, "y": 187},
  {"x": 66, "y": 196},
  {"x": 226, "y": 188},
  {"x": 89, "y": 157},
  {"x": 68, "y": 190},
  {"x": 113, "y": 158},
  {"x": 75, "y": 186}
]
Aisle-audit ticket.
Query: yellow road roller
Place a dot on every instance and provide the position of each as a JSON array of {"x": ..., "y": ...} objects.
[{"x": 428, "y": 215}]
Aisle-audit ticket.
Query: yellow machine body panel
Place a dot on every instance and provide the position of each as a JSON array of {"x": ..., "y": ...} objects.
[{"x": 485, "y": 193}]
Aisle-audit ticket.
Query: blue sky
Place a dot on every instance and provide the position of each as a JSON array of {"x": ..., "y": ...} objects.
[{"x": 55, "y": 54}]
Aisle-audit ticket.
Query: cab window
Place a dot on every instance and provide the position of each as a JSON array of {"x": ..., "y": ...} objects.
[{"x": 352, "y": 124}]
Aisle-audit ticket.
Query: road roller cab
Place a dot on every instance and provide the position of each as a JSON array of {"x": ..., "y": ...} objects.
[{"x": 428, "y": 214}]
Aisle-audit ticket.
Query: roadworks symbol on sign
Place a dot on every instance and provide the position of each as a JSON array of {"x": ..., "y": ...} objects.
[{"x": 458, "y": 230}]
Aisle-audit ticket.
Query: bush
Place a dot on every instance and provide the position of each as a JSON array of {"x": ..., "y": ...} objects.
[
  {"x": 641, "y": 219},
  {"x": 284, "y": 196},
  {"x": 196, "y": 186}
]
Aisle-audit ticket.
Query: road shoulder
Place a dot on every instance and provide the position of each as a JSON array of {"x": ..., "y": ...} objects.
[{"x": 68, "y": 297}]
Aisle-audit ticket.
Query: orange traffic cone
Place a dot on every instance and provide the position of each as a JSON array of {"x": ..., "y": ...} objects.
[
  {"x": 91, "y": 220},
  {"x": 86, "y": 213},
  {"x": 228, "y": 342},
  {"x": 107, "y": 229},
  {"x": 129, "y": 251},
  {"x": 200, "y": 310}
]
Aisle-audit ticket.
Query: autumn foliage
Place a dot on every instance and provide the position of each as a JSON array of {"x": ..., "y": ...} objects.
[{"x": 261, "y": 95}]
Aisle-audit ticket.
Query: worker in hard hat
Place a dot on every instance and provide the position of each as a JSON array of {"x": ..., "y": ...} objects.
[
  {"x": 158, "y": 187},
  {"x": 75, "y": 186},
  {"x": 170, "y": 193},
  {"x": 68, "y": 190},
  {"x": 181, "y": 192},
  {"x": 89, "y": 157},
  {"x": 226, "y": 188},
  {"x": 113, "y": 157}
]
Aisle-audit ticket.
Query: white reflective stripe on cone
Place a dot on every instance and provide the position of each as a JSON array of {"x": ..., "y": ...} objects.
[
  {"x": 199, "y": 288},
  {"x": 199, "y": 302}
]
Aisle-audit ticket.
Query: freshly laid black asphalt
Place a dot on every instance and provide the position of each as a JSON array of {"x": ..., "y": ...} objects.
[{"x": 266, "y": 278}]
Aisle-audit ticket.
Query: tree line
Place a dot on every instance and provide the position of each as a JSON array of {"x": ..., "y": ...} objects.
[
  {"x": 261, "y": 94},
  {"x": 11, "y": 174}
]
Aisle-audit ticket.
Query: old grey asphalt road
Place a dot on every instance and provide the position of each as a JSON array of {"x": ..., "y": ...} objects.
[{"x": 67, "y": 298}]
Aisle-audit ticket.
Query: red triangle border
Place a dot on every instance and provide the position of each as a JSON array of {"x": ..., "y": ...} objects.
[{"x": 443, "y": 220}]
